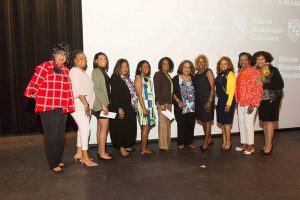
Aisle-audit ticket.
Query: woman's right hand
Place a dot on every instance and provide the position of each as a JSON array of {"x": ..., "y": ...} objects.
[
  {"x": 145, "y": 112},
  {"x": 207, "y": 106},
  {"x": 250, "y": 109},
  {"x": 121, "y": 113},
  {"x": 163, "y": 107},
  {"x": 105, "y": 110},
  {"x": 87, "y": 110}
]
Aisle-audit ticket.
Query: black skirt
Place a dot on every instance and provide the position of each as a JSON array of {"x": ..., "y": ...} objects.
[
  {"x": 269, "y": 111},
  {"x": 222, "y": 116},
  {"x": 123, "y": 131},
  {"x": 200, "y": 112}
]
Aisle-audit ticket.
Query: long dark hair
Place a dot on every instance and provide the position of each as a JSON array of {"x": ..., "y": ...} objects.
[
  {"x": 95, "y": 65},
  {"x": 139, "y": 67},
  {"x": 117, "y": 69}
]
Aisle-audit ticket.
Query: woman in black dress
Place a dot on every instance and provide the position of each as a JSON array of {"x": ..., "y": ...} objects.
[
  {"x": 271, "y": 98},
  {"x": 204, "y": 97},
  {"x": 124, "y": 102}
]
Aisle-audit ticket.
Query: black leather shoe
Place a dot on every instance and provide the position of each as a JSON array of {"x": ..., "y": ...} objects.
[{"x": 203, "y": 149}]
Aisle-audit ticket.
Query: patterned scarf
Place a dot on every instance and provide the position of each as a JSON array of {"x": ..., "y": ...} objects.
[{"x": 133, "y": 96}]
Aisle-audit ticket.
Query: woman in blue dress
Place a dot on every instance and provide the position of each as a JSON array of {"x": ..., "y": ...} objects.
[
  {"x": 225, "y": 88},
  {"x": 145, "y": 107}
]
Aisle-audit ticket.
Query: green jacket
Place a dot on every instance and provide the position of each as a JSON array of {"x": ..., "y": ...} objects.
[{"x": 101, "y": 96}]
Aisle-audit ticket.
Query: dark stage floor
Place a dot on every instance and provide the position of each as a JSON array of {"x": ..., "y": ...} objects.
[{"x": 229, "y": 175}]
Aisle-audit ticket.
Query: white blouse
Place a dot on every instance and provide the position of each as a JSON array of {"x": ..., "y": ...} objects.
[{"x": 82, "y": 84}]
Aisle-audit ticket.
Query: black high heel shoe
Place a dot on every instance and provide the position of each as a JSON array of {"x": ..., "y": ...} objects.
[
  {"x": 226, "y": 150},
  {"x": 204, "y": 149},
  {"x": 266, "y": 154}
]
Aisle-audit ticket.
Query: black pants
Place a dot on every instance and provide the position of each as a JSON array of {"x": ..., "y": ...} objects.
[
  {"x": 54, "y": 125},
  {"x": 185, "y": 128}
]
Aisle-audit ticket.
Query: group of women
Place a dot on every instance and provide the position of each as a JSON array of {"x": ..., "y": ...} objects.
[{"x": 194, "y": 92}]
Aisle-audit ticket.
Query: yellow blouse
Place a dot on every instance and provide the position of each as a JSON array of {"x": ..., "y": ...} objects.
[{"x": 230, "y": 87}]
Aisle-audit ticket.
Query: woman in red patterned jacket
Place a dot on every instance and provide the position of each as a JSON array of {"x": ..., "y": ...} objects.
[
  {"x": 51, "y": 88},
  {"x": 248, "y": 95}
]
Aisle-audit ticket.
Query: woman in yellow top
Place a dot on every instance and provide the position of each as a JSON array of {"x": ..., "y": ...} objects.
[{"x": 225, "y": 88}]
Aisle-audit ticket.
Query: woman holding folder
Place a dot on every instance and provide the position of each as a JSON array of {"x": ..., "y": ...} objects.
[
  {"x": 102, "y": 93},
  {"x": 163, "y": 87}
]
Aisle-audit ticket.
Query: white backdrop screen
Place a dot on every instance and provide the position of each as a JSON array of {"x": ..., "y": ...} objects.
[{"x": 144, "y": 29}]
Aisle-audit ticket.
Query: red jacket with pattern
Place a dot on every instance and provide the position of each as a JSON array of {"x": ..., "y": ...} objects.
[{"x": 51, "y": 87}]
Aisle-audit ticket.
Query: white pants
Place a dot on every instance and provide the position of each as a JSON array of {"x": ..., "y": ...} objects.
[
  {"x": 246, "y": 125},
  {"x": 83, "y": 133}
]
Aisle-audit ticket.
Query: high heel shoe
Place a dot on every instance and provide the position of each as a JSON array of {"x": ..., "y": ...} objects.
[
  {"x": 241, "y": 148},
  {"x": 224, "y": 149},
  {"x": 211, "y": 142},
  {"x": 77, "y": 157},
  {"x": 204, "y": 149},
  {"x": 61, "y": 171},
  {"x": 192, "y": 146},
  {"x": 88, "y": 163},
  {"x": 249, "y": 152},
  {"x": 145, "y": 152},
  {"x": 266, "y": 154},
  {"x": 105, "y": 159}
]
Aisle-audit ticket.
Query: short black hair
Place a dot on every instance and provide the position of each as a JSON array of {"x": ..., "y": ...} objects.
[
  {"x": 95, "y": 65},
  {"x": 269, "y": 58},
  {"x": 139, "y": 66},
  {"x": 248, "y": 55},
  {"x": 61, "y": 47},
  {"x": 73, "y": 56},
  {"x": 171, "y": 64}
]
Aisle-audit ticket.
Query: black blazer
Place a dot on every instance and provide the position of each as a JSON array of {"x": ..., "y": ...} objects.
[
  {"x": 120, "y": 95},
  {"x": 162, "y": 88},
  {"x": 276, "y": 80},
  {"x": 177, "y": 92}
]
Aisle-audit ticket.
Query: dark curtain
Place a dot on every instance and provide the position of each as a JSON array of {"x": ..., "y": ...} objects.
[{"x": 28, "y": 31}]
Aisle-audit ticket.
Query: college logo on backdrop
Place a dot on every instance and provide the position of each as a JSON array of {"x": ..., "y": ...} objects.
[
  {"x": 239, "y": 27},
  {"x": 294, "y": 29}
]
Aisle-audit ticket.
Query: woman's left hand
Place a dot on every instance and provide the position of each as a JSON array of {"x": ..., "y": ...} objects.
[
  {"x": 207, "y": 106},
  {"x": 180, "y": 104},
  {"x": 227, "y": 108}
]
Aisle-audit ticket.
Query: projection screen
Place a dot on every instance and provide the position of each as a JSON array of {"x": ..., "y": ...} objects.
[{"x": 144, "y": 29}]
